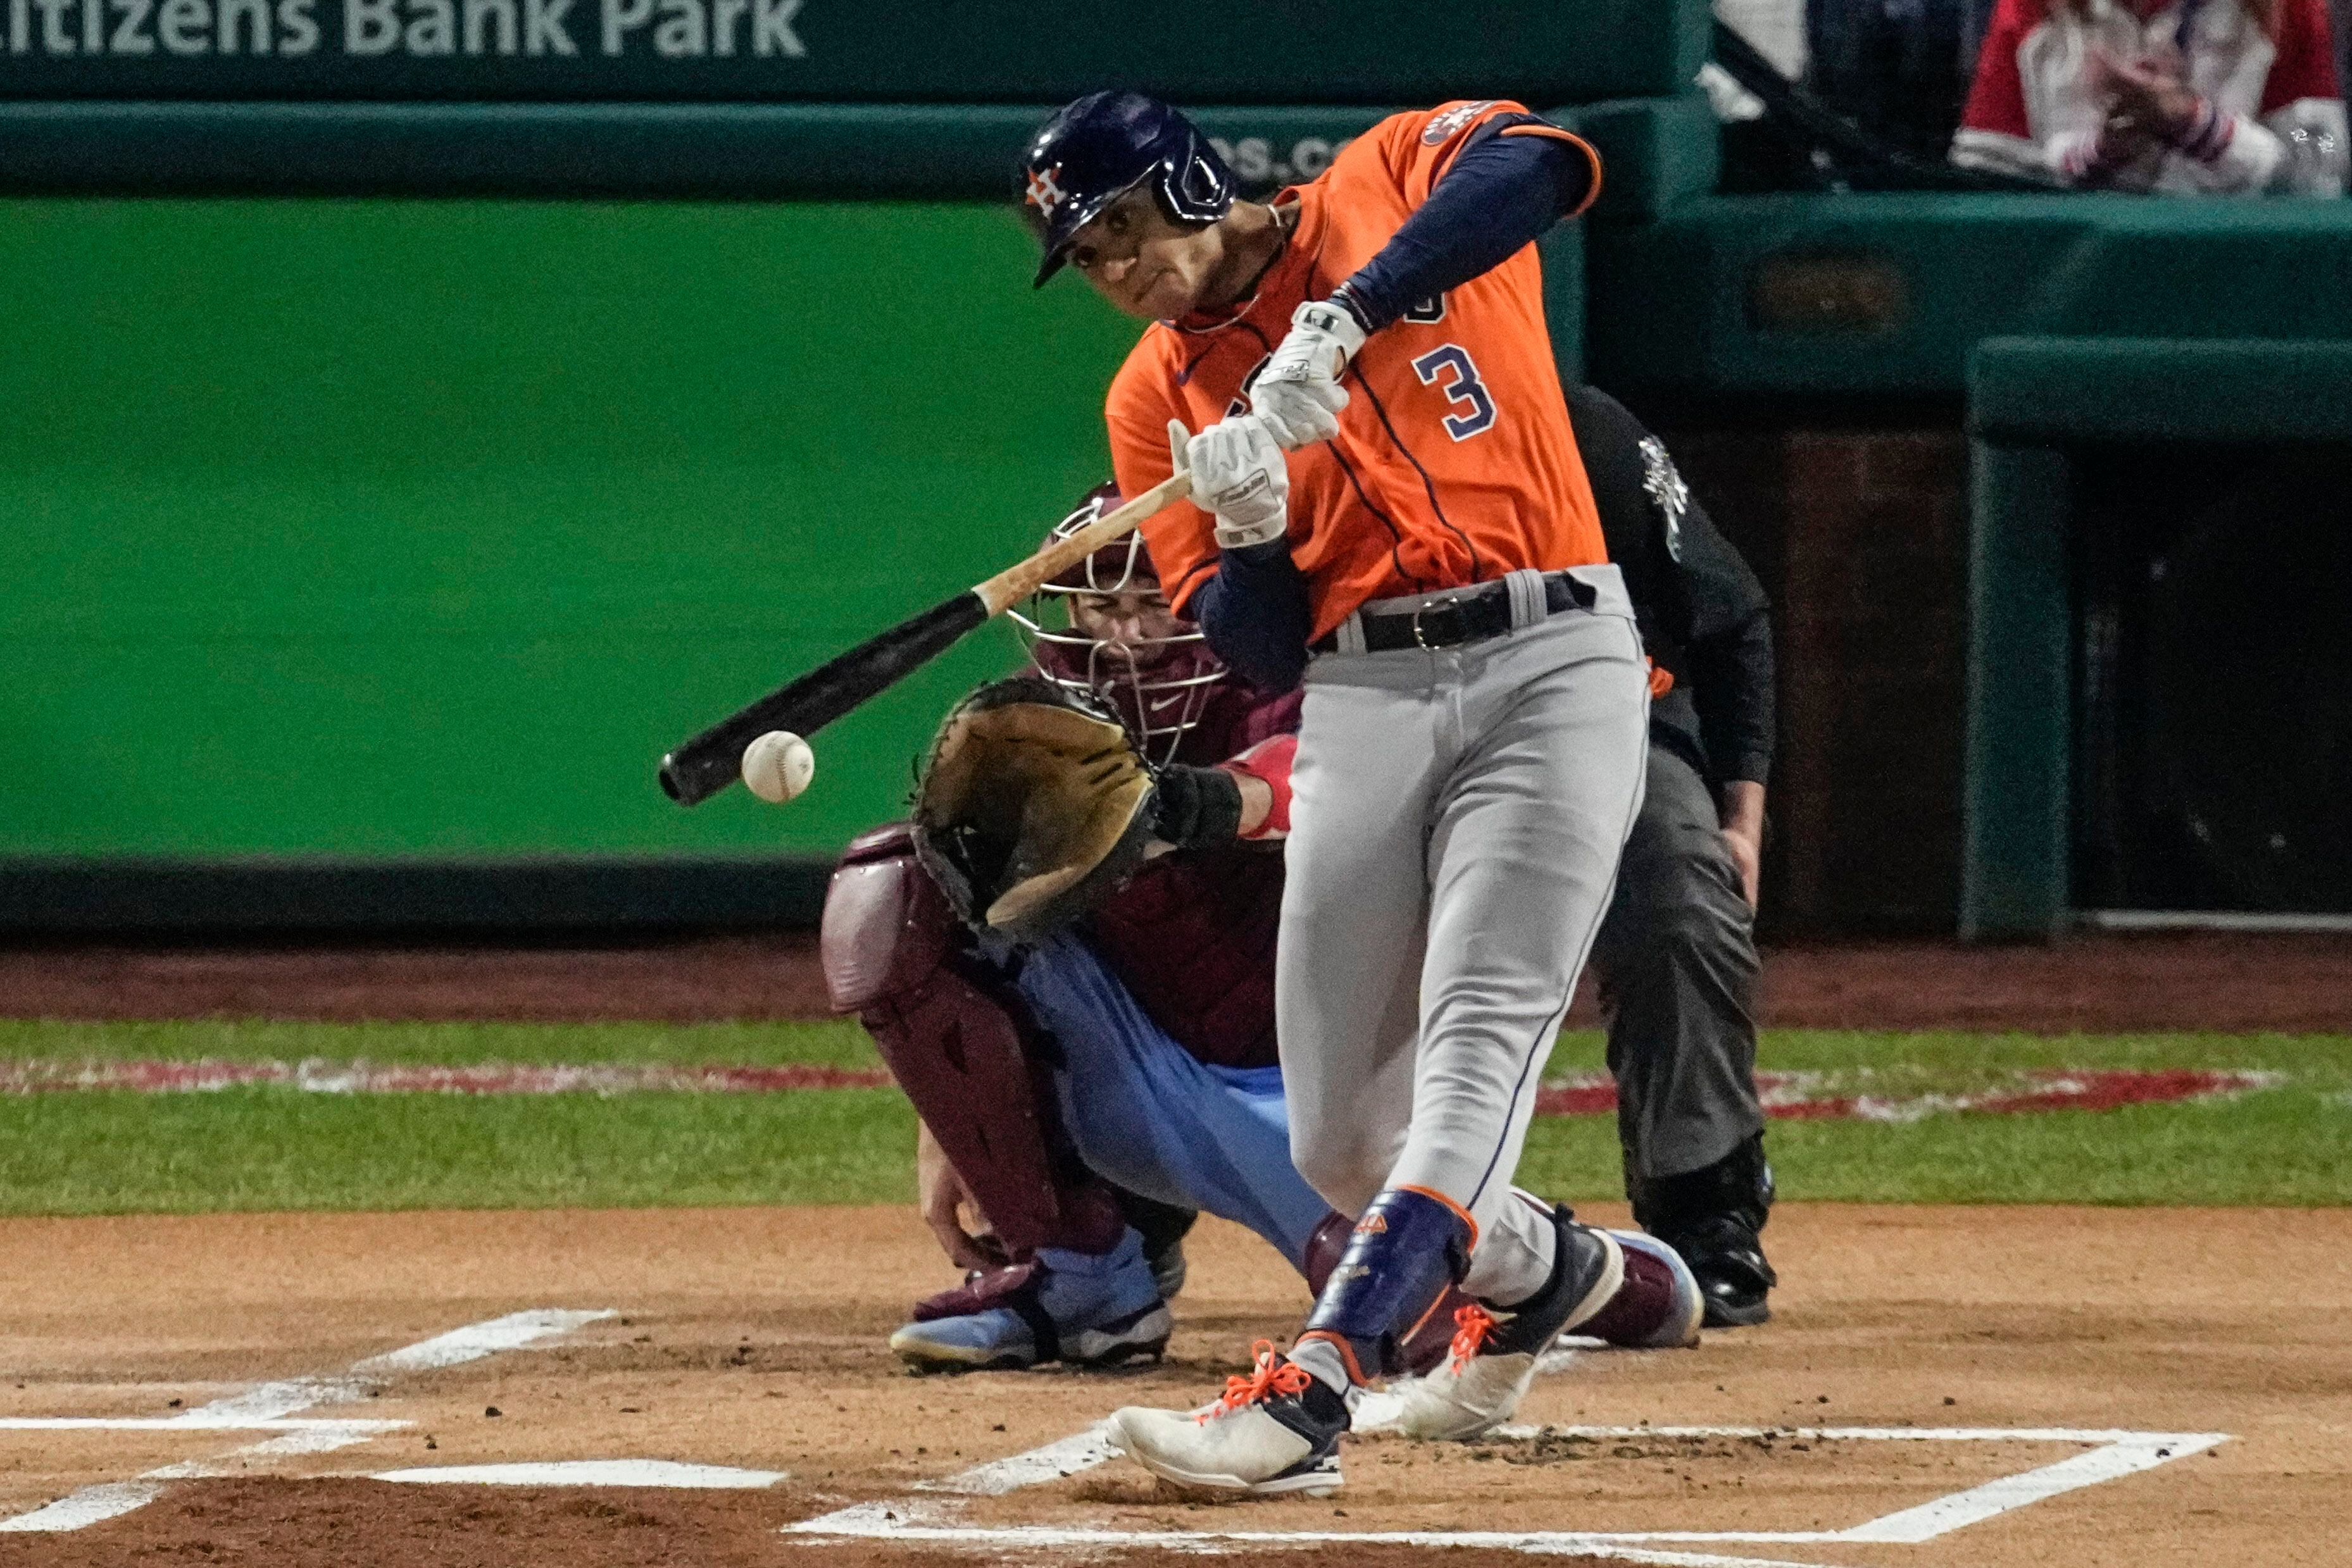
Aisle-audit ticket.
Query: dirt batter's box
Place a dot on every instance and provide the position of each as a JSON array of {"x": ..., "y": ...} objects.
[{"x": 935, "y": 1517}]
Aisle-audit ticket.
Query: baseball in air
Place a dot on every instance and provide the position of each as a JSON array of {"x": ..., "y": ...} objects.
[{"x": 778, "y": 766}]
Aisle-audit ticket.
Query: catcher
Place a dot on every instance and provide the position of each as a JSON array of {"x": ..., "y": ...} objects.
[{"x": 1067, "y": 960}]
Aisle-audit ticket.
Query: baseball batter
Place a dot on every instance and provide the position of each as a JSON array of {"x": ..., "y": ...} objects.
[
  {"x": 1396, "y": 510},
  {"x": 1147, "y": 1057},
  {"x": 1147, "y": 1026}
]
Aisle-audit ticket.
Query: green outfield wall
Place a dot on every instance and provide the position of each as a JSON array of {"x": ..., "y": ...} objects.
[{"x": 418, "y": 531}]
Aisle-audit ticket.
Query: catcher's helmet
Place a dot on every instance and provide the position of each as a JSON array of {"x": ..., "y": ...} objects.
[
  {"x": 1160, "y": 686},
  {"x": 1101, "y": 147}
]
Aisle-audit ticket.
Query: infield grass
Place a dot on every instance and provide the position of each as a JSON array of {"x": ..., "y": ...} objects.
[
  {"x": 826, "y": 1041},
  {"x": 277, "y": 1147}
]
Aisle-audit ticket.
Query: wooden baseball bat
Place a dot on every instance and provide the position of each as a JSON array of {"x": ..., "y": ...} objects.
[{"x": 702, "y": 766}]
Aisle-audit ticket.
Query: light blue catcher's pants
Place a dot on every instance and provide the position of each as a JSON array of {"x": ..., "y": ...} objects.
[{"x": 1145, "y": 1114}]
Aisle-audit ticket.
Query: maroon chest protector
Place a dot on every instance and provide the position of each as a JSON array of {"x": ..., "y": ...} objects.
[{"x": 1193, "y": 935}]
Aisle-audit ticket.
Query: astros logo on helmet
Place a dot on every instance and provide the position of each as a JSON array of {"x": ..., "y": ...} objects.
[{"x": 1044, "y": 194}]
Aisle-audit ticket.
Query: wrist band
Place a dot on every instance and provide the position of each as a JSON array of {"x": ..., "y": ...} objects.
[{"x": 1271, "y": 761}]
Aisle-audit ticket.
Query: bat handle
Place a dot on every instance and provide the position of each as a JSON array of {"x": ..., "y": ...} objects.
[{"x": 1015, "y": 583}]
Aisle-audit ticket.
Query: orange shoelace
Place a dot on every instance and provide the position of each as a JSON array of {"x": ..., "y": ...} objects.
[
  {"x": 1471, "y": 1324},
  {"x": 1271, "y": 1375}
]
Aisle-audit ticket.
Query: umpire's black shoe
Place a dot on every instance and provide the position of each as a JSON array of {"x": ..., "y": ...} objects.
[
  {"x": 1711, "y": 1218},
  {"x": 1727, "y": 1260}
]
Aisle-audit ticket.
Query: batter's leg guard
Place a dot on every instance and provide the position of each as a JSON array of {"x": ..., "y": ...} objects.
[
  {"x": 961, "y": 1046},
  {"x": 1420, "y": 1349},
  {"x": 1407, "y": 1251}
]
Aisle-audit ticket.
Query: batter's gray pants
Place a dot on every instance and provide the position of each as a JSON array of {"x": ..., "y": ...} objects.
[
  {"x": 1455, "y": 826},
  {"x": 1677, "y": 966}
]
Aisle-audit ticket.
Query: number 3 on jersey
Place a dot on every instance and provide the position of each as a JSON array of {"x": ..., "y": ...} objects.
[{"x": 1464, "y": 393}]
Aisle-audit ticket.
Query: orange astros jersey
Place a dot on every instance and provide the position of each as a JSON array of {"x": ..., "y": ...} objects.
[{"x": 1454, "y": 462}]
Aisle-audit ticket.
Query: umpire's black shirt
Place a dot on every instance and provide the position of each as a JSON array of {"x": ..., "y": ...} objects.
[{"x": 1701, "y": 612}]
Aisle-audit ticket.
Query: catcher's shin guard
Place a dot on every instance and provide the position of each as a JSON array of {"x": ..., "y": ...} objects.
[
  {"x": 1403, "y": 1257},
  {"x": 957, "y": 1048}
]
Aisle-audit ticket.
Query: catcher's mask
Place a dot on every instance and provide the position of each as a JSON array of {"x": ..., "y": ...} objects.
[
  {"x": 1159, "y": 684},
  {"x": 1033, "y": 805}
]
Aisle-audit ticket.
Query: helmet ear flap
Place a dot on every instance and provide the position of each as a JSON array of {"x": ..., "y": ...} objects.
[
  {"x": 1195, "y": 185},
  {"x": 1200, "y": 181}
]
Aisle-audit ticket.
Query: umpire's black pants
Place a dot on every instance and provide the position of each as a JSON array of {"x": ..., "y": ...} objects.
[{"x": 1677, "y": 963}]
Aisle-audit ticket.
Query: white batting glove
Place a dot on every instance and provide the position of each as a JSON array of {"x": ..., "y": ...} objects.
[
  {"x": 1239, "y": 474},
  {"x": 1298, "y": 392}
]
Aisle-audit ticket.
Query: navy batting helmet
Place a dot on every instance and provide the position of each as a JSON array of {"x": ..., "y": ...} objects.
[{"x": 1106, "y": 144}]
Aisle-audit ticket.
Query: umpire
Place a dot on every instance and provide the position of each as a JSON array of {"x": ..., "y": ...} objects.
[{"x": 1675, "y": 960}]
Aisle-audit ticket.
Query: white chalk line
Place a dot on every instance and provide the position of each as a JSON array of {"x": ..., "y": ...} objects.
[
  {"x": 590, "y": 1473},
  {"x": 2113, "y": 1452},
  {"x": 188, "y": 1423},
  {"x": 1557, "y": 1543},
  {"x": 475, "y": 1341},
  {"x": 89, "y": 1506},
  {"x": 1075, "y": 1453},
  {"x": 271, "y": 1407},
  {"x": 271, "y": 1401},
  {"x": 2126, "y": 1455}
]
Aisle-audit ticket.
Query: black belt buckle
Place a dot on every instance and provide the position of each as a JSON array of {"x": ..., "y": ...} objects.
[{"x": 1456, "y": 606}]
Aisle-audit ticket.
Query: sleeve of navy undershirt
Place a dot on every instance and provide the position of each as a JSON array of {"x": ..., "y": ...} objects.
[
  {"x": 1255, "y": 615},
  {"x": 1498, "y": 195}
]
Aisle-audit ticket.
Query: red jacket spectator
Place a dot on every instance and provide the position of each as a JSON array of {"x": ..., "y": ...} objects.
[{"x": 2213, "y": 96}]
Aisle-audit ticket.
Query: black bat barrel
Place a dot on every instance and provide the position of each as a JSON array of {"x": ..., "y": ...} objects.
[{"x": 702, "y": 766}]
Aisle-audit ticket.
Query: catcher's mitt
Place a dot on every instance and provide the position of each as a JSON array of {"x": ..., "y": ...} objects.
[{"x": 1034, "y": 805}]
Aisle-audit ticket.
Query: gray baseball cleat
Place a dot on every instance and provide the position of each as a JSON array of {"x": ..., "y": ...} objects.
[
  {"x": 1275, "y": 1431},
  {"x": 1479, "y": 1385}
]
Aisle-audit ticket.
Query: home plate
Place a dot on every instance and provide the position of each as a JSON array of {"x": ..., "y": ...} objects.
[{"x": 590, "y": 1473}]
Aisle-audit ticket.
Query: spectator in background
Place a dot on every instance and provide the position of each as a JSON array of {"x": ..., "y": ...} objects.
[{"x": 2193, "y": 97}]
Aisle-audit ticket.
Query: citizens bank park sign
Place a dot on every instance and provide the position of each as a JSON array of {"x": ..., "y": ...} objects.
[
  {"x": 1367, "y": 52},
  {"x": 312, "y": 48}
]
